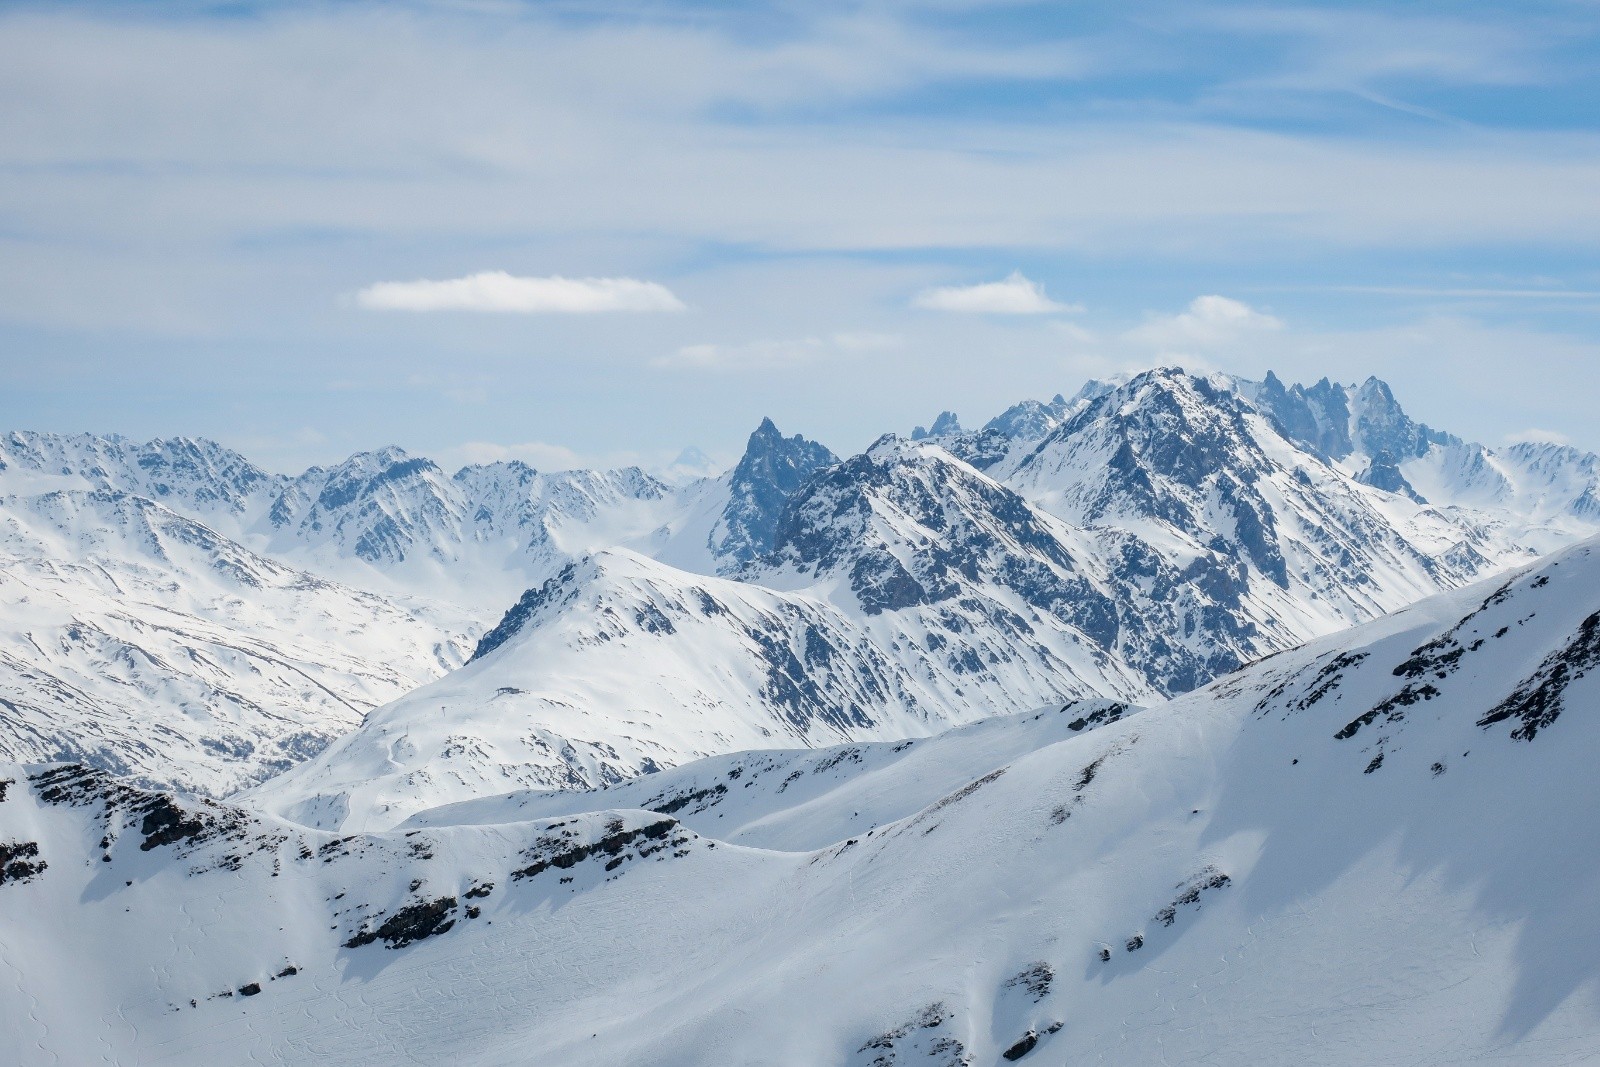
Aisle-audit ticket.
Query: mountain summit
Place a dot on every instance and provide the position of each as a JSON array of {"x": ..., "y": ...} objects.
[{"x": 772, "y": 468}]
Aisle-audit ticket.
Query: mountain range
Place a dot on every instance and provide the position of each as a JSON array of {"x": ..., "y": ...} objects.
[{"x": 190, "y": 620}]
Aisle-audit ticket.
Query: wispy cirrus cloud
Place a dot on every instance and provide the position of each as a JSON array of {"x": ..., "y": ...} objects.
[
  {"x": 539, "y": 454},
  {"x": 497, "y": 291},
  {"x": 1014, "y": 295},
  {"x": 776, "y": 353}
]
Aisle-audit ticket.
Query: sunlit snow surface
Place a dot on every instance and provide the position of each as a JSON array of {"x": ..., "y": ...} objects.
[{"x": 1374, "y": 849}]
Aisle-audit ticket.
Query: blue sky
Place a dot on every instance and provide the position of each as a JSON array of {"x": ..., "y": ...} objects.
[{"x": 306, "y": 229}]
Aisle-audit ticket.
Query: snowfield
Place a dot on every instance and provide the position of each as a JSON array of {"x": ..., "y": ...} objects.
[{"x": 1370, "y": 849}]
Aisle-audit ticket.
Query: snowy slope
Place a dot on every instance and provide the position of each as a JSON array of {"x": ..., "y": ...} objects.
[
  {"x": 174, "y": 613},
  {"x": 1366, "y": 850},
  {"x": 143, "y": 642},
  {"x": 797, "y": 800},
  {"x": 620, "y": 666}
]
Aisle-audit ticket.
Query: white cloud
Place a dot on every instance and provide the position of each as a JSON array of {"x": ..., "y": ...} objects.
[
  {"x": 1206, "y": 322},
  {"x": 537, "y": 454},
  {"x": 1534, "y": 435},
  {"x": 1016, "y": 295},
  {"x": 1071, "y": 332},
  {"x": 546, "y": 457},
  {"x": 777, "y": 353},
  {"x": 496, "y": 290}
]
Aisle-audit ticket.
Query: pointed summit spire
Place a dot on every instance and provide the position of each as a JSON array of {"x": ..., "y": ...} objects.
[{"x": 769, "y": 472}]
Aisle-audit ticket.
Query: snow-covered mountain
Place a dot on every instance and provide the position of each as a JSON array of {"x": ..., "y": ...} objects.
[
  {"x": 174, "y": 613},
  {"x": 1547, "y": 491},
  {"x": 1369, "y": 849},
  {"x": 1162, "y": 533},
  {"x": 1131, "y": 542},
  {"x": 144, "y": 642}
]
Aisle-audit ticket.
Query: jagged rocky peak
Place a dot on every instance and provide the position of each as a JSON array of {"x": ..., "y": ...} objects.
[
  {"x": 946, "y": 425},
  {"x": 1030, "y": 419},
  {"x": 1165, "y": 447},
  {"x": 1316, "y": 418},
  {"x": 1164, "y": 422},
  {"x": 1333, "y": 421},
  {"x": 910, "y": 525},
  {"x": 195, "y": 471},
  {"x": 1378, "y": 424},
  {"x": 772, "y": 468}
]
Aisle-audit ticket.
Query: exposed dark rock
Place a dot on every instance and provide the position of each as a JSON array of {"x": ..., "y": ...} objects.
[
  {"x": 1206, "y": 880},
  {"x": 20, "y": 862},
  {"x": 1389, "y": 710},
  {"x": 563, "y": 854},
  {"x": 1035, "y": 978},
  {"x": 427, "y": 918},
  {"x": 1023, "y": 1046},
  {"x": 1099, "y": 717},
  {"x": 529, "y": 604},
  {"x": 1539, "y": 700}
]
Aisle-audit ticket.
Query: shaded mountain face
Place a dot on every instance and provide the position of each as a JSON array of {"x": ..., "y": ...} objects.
[
  {"x": 772, "y": 468},
  {"x": 907, "y": 528},
  {"x": 1382, "y": 816},
  {"x": 1545, "y": 490},
  {"x": 1336, "y": 420},
  {"x": 380, "y": 507}
]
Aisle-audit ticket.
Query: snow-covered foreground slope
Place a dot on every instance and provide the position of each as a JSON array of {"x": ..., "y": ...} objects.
[
  {"x": 800, "y": 799},
  {"x": 1372, "y": 849}
]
